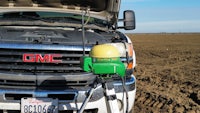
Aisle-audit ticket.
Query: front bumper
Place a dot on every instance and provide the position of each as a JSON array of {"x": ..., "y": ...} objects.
[{"x": 72, "y": 101}]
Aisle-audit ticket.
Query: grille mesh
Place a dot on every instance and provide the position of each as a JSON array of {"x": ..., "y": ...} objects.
[{"x": 11, "y": 60}]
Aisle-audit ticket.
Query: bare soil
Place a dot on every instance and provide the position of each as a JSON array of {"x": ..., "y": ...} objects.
[{"x": 167, "y": 73}]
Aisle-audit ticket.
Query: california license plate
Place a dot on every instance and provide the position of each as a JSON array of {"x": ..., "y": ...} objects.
[{"x": 39, "y": 105}]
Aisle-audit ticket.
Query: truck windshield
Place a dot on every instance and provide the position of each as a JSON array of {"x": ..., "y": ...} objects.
[{"x": 48, "y": 19}]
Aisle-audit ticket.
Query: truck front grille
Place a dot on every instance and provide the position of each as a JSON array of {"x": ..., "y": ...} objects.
[
  {"x": 11, "y": 61},
  {"x": 15, "y": 73}
]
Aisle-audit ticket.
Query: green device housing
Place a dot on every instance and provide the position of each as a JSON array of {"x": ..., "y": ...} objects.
[{"x": 101, "y": 66}]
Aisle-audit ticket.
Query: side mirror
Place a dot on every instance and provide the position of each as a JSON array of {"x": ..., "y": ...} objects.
[{"x": 129, "y": 20}]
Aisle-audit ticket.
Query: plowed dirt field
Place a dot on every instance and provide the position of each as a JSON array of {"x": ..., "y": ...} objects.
[{"x": 168, "y": 73}]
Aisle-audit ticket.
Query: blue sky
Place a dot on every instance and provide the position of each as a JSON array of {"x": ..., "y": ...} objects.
[{"x": 154, "y": 16}]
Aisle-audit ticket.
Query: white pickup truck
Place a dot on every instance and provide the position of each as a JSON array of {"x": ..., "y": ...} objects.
[{"x": 41, "y": 43}]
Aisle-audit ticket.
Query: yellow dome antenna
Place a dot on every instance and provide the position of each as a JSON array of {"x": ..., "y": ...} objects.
[{"x": 104, "y": 60}]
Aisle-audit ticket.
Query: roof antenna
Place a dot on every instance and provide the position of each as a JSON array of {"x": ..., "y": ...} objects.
[
  {"x": 83, "y": 26},
  {"x": 83, "y": 31}
]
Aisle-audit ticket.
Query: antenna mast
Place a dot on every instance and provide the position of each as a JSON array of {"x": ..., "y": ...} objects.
[{"x": 83, "y": 31}]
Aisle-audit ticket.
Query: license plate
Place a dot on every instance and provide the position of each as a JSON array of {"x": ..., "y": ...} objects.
[{"x": 39, "y": 105}]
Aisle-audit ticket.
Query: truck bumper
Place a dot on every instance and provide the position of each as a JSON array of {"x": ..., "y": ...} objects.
[{"x": 96, "y": 104}]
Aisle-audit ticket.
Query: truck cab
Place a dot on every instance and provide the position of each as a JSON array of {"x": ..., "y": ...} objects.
[{"x": 41, "y": 44}]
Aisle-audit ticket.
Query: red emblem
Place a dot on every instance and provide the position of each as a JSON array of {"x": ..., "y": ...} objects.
[{"x": 46, "y": 58}]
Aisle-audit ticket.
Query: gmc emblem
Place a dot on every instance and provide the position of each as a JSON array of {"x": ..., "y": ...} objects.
[{"x": 46, "y": 58}]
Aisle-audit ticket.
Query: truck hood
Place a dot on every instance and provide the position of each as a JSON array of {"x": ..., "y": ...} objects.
[{"x": 101, "y": 9}]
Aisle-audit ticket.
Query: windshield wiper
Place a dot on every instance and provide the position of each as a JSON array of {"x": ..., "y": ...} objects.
[{"x": 38, "y": 18}]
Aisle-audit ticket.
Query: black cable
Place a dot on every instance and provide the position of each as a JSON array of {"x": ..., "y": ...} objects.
[
  {"x": 127, "y": 102},
  {"x": 83, "y": 32},
  {"x": 124, "y": 79},
  {"x": 123, "y": 95}
]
